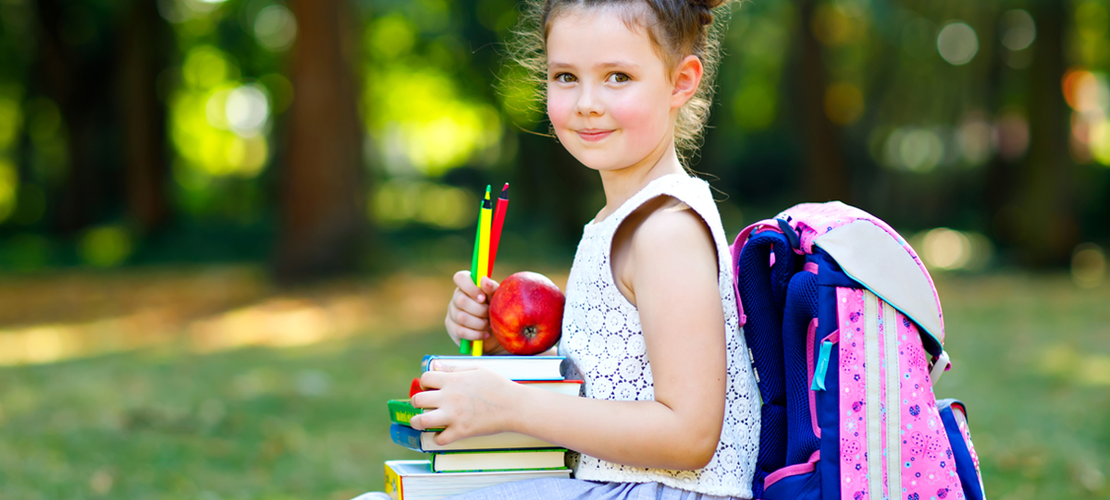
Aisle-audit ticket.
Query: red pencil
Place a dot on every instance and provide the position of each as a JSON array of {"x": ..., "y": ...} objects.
[{"x": 498, "y": 222}]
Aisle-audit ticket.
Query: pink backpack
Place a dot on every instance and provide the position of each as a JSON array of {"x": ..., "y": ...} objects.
[{"x": 847, "y": 337}]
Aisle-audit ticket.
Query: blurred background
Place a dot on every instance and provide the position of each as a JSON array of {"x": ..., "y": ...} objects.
[{"x": 227, "y": 227}]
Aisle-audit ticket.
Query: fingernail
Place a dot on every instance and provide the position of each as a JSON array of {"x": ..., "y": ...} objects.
[{"x": 481, "y": 298}]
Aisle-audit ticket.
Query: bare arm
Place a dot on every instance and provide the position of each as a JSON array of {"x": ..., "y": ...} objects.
[{"x": 673, "y": 266}]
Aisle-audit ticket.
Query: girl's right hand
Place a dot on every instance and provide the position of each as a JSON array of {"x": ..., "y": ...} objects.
[{"x": 468, "y": 312}]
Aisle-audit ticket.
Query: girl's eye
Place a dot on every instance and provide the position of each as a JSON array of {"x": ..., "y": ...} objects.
[
  {"x": 565, "y": 78},
  {"x": 619, "y": 77}
]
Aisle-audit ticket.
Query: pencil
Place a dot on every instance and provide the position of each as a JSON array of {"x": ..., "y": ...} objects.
[
  {"x": 484, "y": 220},
  {"x": 498, "y": 222},
  {"x": 464, "y": 344}
]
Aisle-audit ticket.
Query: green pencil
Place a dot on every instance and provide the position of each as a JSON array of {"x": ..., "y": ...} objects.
[{"x": 464, "y": 344}]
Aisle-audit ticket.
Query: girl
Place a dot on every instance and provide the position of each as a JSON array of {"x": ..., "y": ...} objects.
[{"x": 650, "y": 322}]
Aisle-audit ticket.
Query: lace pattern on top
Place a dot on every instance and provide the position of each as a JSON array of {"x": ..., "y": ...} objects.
[{"x": 603, "y": 339}]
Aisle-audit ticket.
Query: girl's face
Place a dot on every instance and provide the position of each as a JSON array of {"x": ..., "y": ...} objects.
[{"x": 608, "y": 95}]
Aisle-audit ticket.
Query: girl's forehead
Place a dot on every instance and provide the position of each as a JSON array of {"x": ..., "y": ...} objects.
[{"x": 583, "y": 35}]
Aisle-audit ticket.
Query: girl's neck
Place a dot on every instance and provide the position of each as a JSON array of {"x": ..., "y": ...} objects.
[{"x": 620, "y": 185}]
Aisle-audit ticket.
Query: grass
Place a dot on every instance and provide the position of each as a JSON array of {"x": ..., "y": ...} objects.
[
  {"x": 165, "y": 420},
  {"x": 1031, "y": 358}
]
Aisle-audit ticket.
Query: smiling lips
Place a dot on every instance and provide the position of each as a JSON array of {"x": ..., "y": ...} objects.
[{"x": 593, "y": 134}]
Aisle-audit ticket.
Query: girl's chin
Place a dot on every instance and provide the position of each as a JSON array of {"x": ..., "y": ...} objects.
[{"x": 602, "y": 164}]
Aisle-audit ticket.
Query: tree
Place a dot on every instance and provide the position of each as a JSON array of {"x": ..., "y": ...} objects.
[
  {"x": 141, "y": 52},
  {"x": 322, "y": 223},
  {"x": 1046, "y": 191},
  {"x": 826, "y": 177},
  {"x": 74, "y": 69}
]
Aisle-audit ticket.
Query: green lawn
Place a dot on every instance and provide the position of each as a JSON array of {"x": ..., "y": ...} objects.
[{"x": 1031, "y": 360}]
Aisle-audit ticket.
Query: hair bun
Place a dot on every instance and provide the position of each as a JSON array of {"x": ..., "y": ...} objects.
[
  {"x": 709, "y": 4},
  {"x": 705, "y": 8}
]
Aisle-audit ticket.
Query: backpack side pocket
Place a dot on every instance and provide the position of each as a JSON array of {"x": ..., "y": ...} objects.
[{"x": 954, "y": 417}]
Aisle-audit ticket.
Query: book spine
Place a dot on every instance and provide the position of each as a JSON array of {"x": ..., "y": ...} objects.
[
  {"x": 406, "y": 436},
  {"x": 393, "y": 486},
  {"x": 401, "y": 412}
]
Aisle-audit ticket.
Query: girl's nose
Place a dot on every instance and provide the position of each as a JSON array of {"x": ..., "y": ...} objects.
[{"x": 588, "y": 102}]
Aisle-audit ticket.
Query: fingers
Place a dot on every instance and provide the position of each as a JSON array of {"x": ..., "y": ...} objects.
[
  {"x": 468, "y": 320},
  {"x": 471, "y": 334},
  {"x": 465, "y": 282},
  {"x": 434, "y": 419},
  {"x": 489, "y": 286},
  {"x": 464, "y": 305},
  {"x": 432, "y": 379},
  {"x": 447, "y": 436}
]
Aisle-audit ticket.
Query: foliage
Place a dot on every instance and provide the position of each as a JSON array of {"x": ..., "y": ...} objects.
[{"x": 980, "y": 116}]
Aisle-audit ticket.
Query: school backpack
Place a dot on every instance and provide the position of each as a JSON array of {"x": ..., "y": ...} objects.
[{"x": 846, "y": 336}]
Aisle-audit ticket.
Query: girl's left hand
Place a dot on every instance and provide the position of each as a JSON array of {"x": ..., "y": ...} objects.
[{"x": 466, "y": 401}]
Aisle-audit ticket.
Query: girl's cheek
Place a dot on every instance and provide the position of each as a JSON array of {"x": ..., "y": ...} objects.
[
  {"x": 643, "y": 124},
  {"x": 558, "y": 108}
]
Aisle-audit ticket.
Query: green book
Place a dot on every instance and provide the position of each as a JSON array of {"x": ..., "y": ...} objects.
[{"x": 401, "y": 412}]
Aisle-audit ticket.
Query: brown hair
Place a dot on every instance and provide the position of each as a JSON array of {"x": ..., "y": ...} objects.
[{"x": 677, "y": 28}]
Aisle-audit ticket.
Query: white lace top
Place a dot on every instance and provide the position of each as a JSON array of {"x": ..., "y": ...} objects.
[{"x": 603, "y": 339}]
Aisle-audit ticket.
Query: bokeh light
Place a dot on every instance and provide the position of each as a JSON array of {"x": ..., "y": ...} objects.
[
  {"x": 957, "y": 43},
  {"x": 105, "y": 246},
  {"x": 1011, "y": 134},
  {"x": 844, "y": 103},
  {"x": 9, "y": 188},
  {"x": 400, "y": 202},
  {"x": 218, "y": 125},
  {"x": 837, "y": 24},
  {"x": 1088, "y": 94},
  {"x": 974, "y": 139},
  {"x": 390, "y": 36},
  {"x": 1088, "y": 265},
  {"x": 949, "y": 250},
  {"x": 915, "y": 149},
  {"x": 1018, "y": 29},
  {"x": 247, "y": 109},
  {"x": 422, "y": 124},
  {"x": 275, "y": 27}
]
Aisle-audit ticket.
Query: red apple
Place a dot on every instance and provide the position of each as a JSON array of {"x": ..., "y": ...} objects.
[{"x": 526, "y": 313}]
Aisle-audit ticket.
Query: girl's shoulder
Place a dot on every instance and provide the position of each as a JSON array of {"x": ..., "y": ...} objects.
[
  {"x": 656, "y": 235},
  {"x": 673, "y": 206}
]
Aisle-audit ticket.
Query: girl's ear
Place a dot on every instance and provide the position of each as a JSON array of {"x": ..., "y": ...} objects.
[{"x": 687, "y": 77}]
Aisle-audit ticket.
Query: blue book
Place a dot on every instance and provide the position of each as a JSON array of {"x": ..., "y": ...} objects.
[
  {"x": 424, "y": 441},
  {"x": 512, "y": 367}
]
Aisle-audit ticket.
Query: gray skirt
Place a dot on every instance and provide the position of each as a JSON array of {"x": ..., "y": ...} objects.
[{"x": 576, "y": 489}]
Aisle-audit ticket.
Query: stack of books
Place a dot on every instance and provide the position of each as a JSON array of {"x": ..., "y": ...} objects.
[{"x": 476, "y": 462}]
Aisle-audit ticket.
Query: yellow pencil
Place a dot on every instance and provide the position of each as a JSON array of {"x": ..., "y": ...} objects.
[{"x": 484, "y": 221}]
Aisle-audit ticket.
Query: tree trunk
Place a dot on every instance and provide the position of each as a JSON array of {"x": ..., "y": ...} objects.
[
  {"x": 1046, "y": 192},
  {"x": 141, "y": 52},
  {"x": 322, "y": 217},
  {"x": 76, "y": 73},
  {"x": 825, "y": 175}
]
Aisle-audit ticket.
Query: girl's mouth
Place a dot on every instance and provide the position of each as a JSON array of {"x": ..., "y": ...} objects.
[{"x": 593, "y": 135}]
